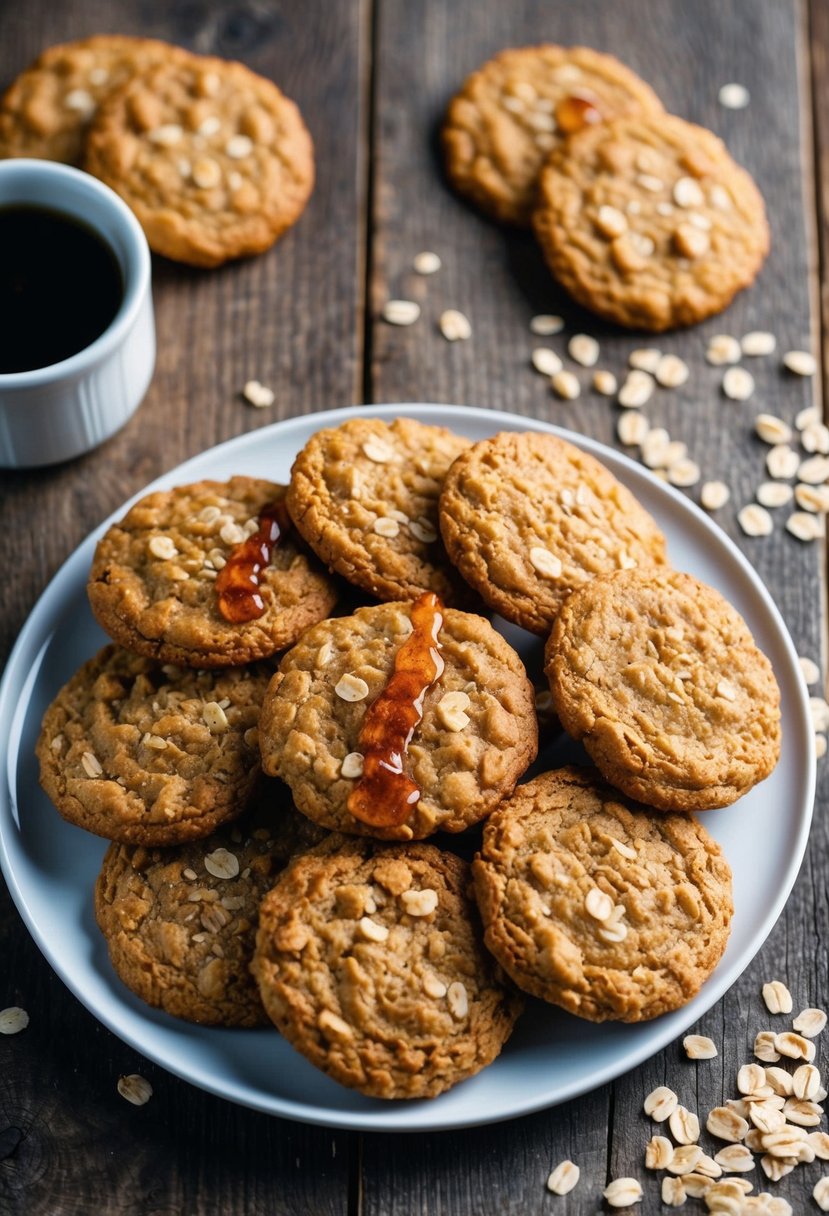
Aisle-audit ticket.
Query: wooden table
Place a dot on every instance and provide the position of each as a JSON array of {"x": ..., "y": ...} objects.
[{"x": 372, "y": 79}]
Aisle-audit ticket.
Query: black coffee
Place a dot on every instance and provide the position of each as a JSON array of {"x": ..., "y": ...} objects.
[{"x": 60, "y": 287}]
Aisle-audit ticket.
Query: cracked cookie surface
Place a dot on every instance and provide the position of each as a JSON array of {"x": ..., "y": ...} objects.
[
  {"x": 151, "y": 755},
  {"x": 467, "y": 752},
  {"x": 214, "y": 160},
  {"x": 370, "y": 962},
  {"x": 364, "y": 496},
  {"x": 649, "y": 222},
  {"x": 606, "y": 909},
  {"x": 517, "y": 107},
  {"x": 152, "y": 585},
  {"x": 661, "y": 680},
  {"x": 528, "y": 517}
]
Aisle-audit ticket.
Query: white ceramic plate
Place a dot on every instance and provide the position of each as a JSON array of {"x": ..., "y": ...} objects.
[{"x": 51, "y": 867}]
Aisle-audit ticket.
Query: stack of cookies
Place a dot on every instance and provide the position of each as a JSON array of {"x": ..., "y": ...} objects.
[
  {"x": 288, "y": 843},
  {"x": 214, "y": 160},
  {"x": 643, "y": 217}
]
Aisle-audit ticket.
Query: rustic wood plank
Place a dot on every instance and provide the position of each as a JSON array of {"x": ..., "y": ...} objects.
[
  {"x": 497, "y": 278},
  {"x": 292, "y": 318}
]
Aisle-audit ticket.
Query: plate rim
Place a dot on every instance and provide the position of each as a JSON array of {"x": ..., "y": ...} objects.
[{"x": 393, "y": 1119}]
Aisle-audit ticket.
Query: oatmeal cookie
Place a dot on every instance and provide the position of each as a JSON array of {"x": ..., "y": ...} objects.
[
  {"x": 370, "y": 962},
  {"x": 477, "y": 735},
  {"x": 598, "y": 906},
  {"x": 509, "y": 114},
  {"x": 180, "y": 924},
  {"x": 151, "y": 755},
  {"x": 649, "y": 222},
  {"x": 215, "y": 162},
  {"x": 661, "y": 680},
  {"x": 158, "y": 578},
  {"x": 47, "y": 110},
  {"x": 364, "y": 496},
  {"x": 527, "y": 517}
]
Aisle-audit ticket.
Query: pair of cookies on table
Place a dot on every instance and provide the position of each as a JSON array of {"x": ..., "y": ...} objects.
[
  {"x": 644, "y": 218},
  {"x": 213, "y": 159}
]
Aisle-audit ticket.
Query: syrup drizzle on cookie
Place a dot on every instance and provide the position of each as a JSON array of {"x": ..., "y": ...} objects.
[
  {"x": 575, "y": 112},
  {"x": 237, "y": 584},
  {"x": 385, "y": 796}
]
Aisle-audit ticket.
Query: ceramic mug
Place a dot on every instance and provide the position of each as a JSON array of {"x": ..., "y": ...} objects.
[{"x": 53, "y": 413}]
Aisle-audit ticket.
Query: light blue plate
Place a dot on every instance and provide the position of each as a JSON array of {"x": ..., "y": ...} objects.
[{"x": 51, "y": 867}]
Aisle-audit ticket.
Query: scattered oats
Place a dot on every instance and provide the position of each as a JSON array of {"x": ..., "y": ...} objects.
[
  {"x": 351, "y": 688},
  {"x": 451, "y": 709},
  {"x": 434, "y": 987},
  {"x": 352, "y": 765},
  {"x": 734, "y": 96},
  {"x": 726, "y": 1124},
  {"x": 804, "y": 525},
  {"x": 782, "y": 461},
  {"x": 800, "y": 362},
  {"x": 598, "y": 904},
  {"x": 135, "y": 1089},
  {"x": 611, "y": 222},
  {"x": 454, "y": 326},
  {"x": 815, "y": 470},
  {"x": 546, "y": 361},
  {"x": 546, "y": 325},
  {"x": 794, "y": 1045},
  {"x": 820, "y": 746},
  {"x": 162, "y": 547},
  {"x": 671, "y": 371},
  {"x": 660, "y": 1103},
  {"x": 806, "y": 1082},
  {"x": 810, "y": 1022},
  {"x": 738, "y": 384},
  {"x": 605, "y": 382},
  {"x": 812, "y": 498},
  {"x": 674, "y": 452},
  {"x": 776, "y": 1168},
  {"x": 685, "y": 1159},
  {"x": 723, "y": 348},
  {"x": 777, "y": 997},
  {"x": 334, "y": 1026},
  {"x": 632, "y": 427},
  {"x": 807, "y": 417},
  {"x": 684, "y": 473},
  {"x": 819, "y": 1142},
  {"x": 820, "y": 1193},
  {"x": 636, "y": 390},
  {"x": 384, "y": 526},
  {"x": 765, "y": 1117},
  {"x": 401, "y": 312},
  {"x": 684, "y": 1126},
  {"x": 654, "y": 447},
  {"x": 698, "y": 1047},
  {"x": 91, "y": 765},
  {"x": 802, "y": 1112},
  {"x": 583, "y": 349},
  {"x": 658, "y": 1152},
  {"x": 566, "y": 385},
  {"x": 774, "y": 493},
  {"x": 13, "y": 1020},
  {"x": 771, "y": 429},
  {"x": 80, "y": 101},
  {"x": 820, "y": 721},
  {"x": 378, "y": 451},
  {"x": 758, "y": 342},
  {"x": 673, "y": 1192},
  {"x": 764, "y": 1047},
  {"x": 645, "y": 359},
  {"x": 696, "y": 1184},
  {"x": 755, "y": 520},
  {"x": 687, "y": 193},
  {"x": 371, "y": 930},
  {"x": 423, "y": 531},
  {"x": 714, "y": 494},
  {"x": 258, "y": 394},
  {"x": 214, "y": 717},
  {"x": 457, "y": 1000},
  {"x": 563, "y": 1178},
  {"x": 545, "y": 562},
  {"x": 206, "y": 173},
  {"x": 426, "y": 263},
  {"x": 221, "y": 863},
  {"x": 735, "y": 1158},
  {"x": 419, "y": 903},
  {"x": 622, "y": 1193},
  {"x": 815, "y": 438},
  {"x": 708, "y": 1167}
]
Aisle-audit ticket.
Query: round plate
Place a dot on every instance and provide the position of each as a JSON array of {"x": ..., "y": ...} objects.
[{"x": 51, "y": 867}]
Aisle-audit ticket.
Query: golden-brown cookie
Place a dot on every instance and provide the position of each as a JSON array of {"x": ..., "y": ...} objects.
[
  {"x": 661, "y": 680},
  {"x": 527, "y": 517},
  {"x": 603, "y": 908},
  {"x": 45, "y": 113},
  {"x": 215, "y": 162},
  {"x": 476, "y": 737},
  {"x": 649, "y": 222},
  {"x": 509, "y": 114},
  {"x": 370, "y": 962},
  {"x": 180, "y": 923},
  {"x": 364, "y": 496},
  {"x": 181, "y": 577},
  {"x": 151, "y": 755}
]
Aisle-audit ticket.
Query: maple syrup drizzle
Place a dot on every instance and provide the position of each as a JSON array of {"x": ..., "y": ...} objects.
[
  {"x": 385, "y": 796},
  {"x": 573, "y": 113},
  {"x": 237, "y": 583}
]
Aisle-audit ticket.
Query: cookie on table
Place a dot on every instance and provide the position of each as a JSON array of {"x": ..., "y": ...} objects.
[
  {"x": 477, "y": 735},
  {"x": 370, "y": 962},
  {"x": 661, "y": 680},
  {"x": 509, "y": 115},
  {"x": 180, "y": 923},
  {"x": 45, "y": 113},
  {"x": 527, "y": 517},
  {"x": 649, "y": 222},
  {"x": 214, "y": 160},
  {"x": 600, "y": 907},
  {"x": 148, "y": 754},
  {"x": 172, "y": 579},
  {"x": 364, "y": 496}
]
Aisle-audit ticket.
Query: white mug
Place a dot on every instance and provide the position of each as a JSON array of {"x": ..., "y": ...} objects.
[{"x": 53, "y": 413}]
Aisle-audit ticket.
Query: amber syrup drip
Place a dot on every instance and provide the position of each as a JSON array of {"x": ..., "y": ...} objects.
[
  {"x": 573, "y": 113},
  {"x": 385, "y": 796},
  {"x": 237, "y": 584}
]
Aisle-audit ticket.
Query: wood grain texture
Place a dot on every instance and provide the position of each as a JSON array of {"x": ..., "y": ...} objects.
[{"x": 497, "y": 277}]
